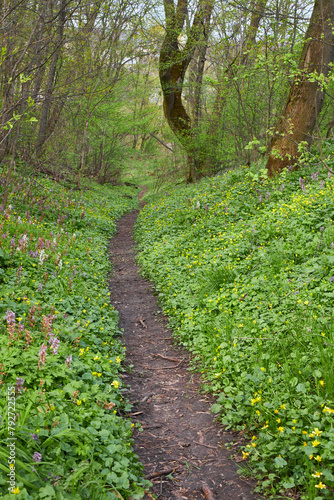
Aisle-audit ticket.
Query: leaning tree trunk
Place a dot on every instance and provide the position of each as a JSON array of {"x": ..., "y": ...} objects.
[
  {"x": 173, "y": 64},
  {"x": 306, "y": 97}
]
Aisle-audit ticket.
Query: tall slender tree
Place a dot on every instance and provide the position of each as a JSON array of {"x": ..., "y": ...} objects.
[{"x": 173, "y": 64}]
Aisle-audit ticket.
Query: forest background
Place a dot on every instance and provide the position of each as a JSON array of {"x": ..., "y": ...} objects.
[{"x": 81, "y": 95}]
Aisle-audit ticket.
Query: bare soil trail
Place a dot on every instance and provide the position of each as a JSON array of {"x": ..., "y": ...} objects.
[{"x": 181, "y": 446}]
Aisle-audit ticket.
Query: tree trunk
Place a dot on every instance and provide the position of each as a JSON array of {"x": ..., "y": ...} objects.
[
  {"x": 173, "y": 64},
  {"x": 225, "y": 79},
  {"x": 82, "y": 155},
  {"x": 51, "y": 77},
  {"x": 306, "y": 97},
  {"x": 258, "y": 10}
]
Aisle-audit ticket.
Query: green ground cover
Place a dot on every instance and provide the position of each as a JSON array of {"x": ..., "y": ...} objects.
[
  {"x": 60, "y": 347},
  {"x": 244, "y": 268}
]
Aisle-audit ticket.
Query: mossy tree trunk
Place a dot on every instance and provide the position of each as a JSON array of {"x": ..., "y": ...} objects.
[{"x": 173, "y": 64}]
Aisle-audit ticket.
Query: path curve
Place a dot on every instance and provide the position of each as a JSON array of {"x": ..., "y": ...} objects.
[{"x": 180, "y": 436}]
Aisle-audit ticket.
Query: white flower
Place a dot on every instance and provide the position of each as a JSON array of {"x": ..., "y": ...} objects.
[{"x": 42, "y": 256}]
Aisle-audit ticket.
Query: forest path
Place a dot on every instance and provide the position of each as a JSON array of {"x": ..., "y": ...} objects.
[{"x": 180, "y": 436}]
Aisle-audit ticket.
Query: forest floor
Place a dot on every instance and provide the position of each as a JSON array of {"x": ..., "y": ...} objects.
[{"x": 182, "y": 447}]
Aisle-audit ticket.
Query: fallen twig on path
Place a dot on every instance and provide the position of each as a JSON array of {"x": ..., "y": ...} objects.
[
  {"x": 149, "y": 495},
  {"x": 141, "y": 321},
  {"x": 154, "y": 426},
  {"x": 207, "y": 492},
  {"x": 166, "y": 357},
  {"x": 159, "y": 473},
  {"x": 146, "y": 397},
  {"x": 168, "y": 367},
  {"x": 206, "y": 445}
]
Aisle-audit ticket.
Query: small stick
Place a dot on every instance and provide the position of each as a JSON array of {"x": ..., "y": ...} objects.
[
  {"x": 168, "y": 367},
  {"x": 149, "y": 495},
  {"x": 206, "y": 445},
  {"x": 159, "y": 473},
  {"x": 141, "y": 321},
  {"x": 134, "y": 414},
  {"x": 154, "y": 426},
  {"x": 146, "y": 398},
  {"x": 168, "y": 359},
  {"x": 207, "y": 492}
]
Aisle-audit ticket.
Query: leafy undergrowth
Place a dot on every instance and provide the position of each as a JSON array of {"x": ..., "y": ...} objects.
[
  {"x": 62, "y": 434},
  {"x": 245, "y": 270}
]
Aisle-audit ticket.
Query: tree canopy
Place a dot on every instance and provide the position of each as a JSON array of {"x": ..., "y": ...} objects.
[{"x": 206, "y": 85}]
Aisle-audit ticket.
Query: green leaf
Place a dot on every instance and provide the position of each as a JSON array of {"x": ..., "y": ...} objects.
[
  {"x": 301, "y": 388},
  {"x": 47, "y": 492},
  {"x": 290, "y": 483},
  {"x": 280, "y": 462},
  {"x": 329, "y": 477},
  {"x": 215, "y": 408}
]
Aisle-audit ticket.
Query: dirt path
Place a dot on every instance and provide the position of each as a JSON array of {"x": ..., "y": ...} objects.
[{"x": 180, "y": 436}]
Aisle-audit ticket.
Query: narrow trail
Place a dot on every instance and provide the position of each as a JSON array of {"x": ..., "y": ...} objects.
[{"x": 181, "y": 445}]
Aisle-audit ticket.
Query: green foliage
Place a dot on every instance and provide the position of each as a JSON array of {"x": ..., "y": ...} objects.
[
  {"x": 61, "y": 394},
  {"x": 244, "y": 268}
]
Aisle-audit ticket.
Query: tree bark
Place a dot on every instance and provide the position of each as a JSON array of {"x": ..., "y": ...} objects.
[
  {"x": 51, "y": 77},
  {"x": 258, "y": 10},
  {"x": 306, "y": 97},
  {"x": 173, "y": 64}
]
